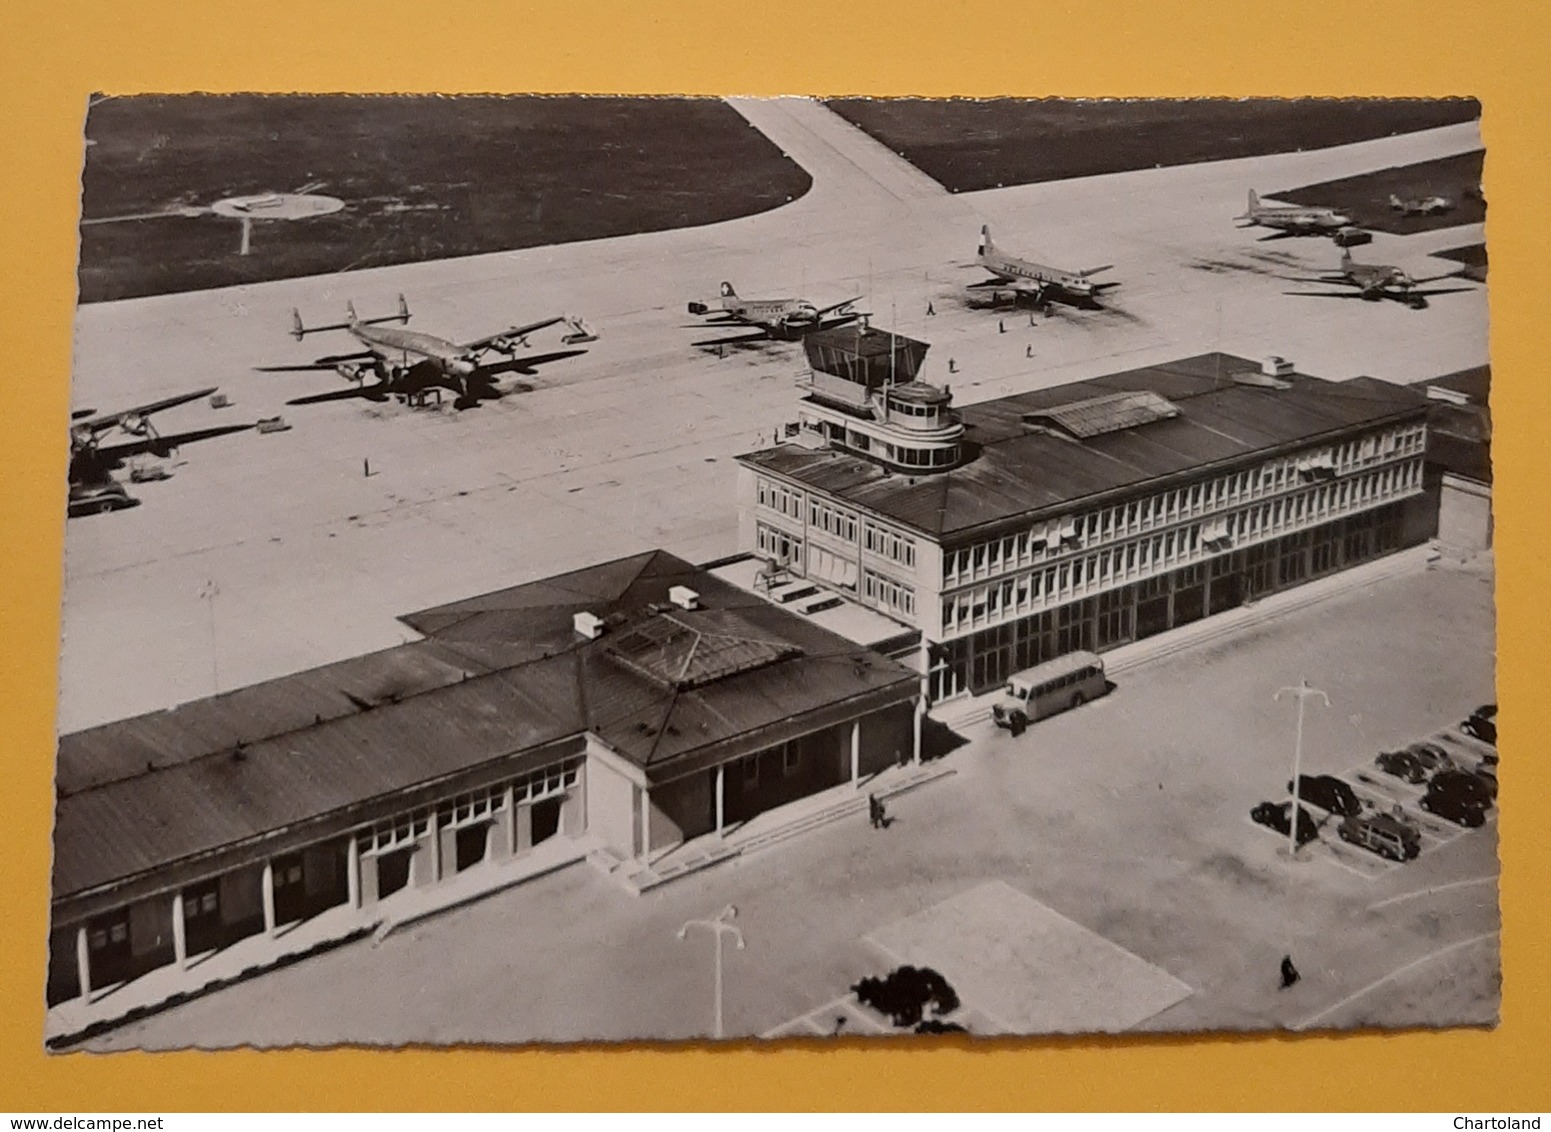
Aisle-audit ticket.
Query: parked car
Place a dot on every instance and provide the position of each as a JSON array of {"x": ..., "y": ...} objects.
[
  {"x": 1474, "y": 789},
  {"x": 1274, "y": 815},
  {"x": 1482, "y": 724},
  {"x": 1403, "y": 765},
  {"x": 1328, "y": 793},
  {"x": 1386, "y": 834},
  {"x": 1455, "y": 807},
  {"x": 95, "y": 498},
  {"x": 1432, "y": 757}
]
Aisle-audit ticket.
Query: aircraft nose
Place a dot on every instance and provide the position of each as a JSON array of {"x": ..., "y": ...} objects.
[{"x": 463, "y": 367}]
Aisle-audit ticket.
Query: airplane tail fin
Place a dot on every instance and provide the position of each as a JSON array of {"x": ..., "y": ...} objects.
[
  {"x": 728, "y": 292},
  {"x": 987, "y": 245},
  {"x": 1249, "y": 211},
  {"x": 351, "y": 316},
  {"x": 403, "y": 309}
]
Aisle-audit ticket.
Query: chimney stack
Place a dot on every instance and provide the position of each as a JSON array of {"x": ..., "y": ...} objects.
[{"x": 588, "y": 625}]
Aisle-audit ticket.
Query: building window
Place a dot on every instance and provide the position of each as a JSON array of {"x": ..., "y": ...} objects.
[
  {"x": 791, "y": 759},
  {"x": 751, "y": 772}
]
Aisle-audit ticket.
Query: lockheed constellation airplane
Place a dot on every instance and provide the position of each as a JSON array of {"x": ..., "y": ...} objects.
[
  {"x": 780, "y": 320},
  {"x": 410, "y": 364},
  {"x": 1376, "y": 281},
  {"x": 92, "y": 486},
  {"x": 1044, "y": 284}
]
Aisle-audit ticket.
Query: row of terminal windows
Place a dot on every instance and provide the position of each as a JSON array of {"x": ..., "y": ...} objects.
[
  {"x": 832, "y": 520},
  {"x": 876, "y": 538},
  {"x": 909, "y": 457},
  {"x": 886, "y": 543},
  {"x": 468, "y": 809},
  {"x": 912, "y": 408},
  {"x": 1059, "y": 535},
  {"x": 885, "y": 591},
  {"x": 780, "y": 498},
  {"x": 1015, "y": 596},
  {"x": 776, "y": 544}
]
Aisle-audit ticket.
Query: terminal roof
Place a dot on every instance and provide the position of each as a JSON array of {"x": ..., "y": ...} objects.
[
  {"x": 1459, "y": 437},
  {"x": 1020, "y": 469},
  {"x": 498, "y": 675}
]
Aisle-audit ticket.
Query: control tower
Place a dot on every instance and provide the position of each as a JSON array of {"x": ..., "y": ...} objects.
[{"x": 863, "y": 395}]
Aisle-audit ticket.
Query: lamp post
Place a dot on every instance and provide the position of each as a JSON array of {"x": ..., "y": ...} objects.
[
  {"x": 719, "y": 924},
  {"x": 1302, "y": 692},
  {"x": 208, "y": 593}
]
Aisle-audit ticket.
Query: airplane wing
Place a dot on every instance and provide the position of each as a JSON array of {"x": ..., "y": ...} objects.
[
  {"x": 1095, "y": 270},
  {"x": 1002, "y": 283},
  {"x": 845, "y": 319},
  {"x": 514, "y": 332},
  {"x": 1441, "y": 291},
  {"x": 160, "y": 445},
  {"x": 349, "y": 393},
  {"x": 1329, "y": 294},
  {"x": 757, "y": 336},
  {"x": 839, "y": 306},
  {"x": 111, "y": 420},
  {"x": 525, "y": 364},
  {"x": 328, "y": 362}
]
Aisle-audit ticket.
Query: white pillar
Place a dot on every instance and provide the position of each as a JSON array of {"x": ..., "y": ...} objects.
[
  {"x": 269, "y": 898},
  {"x": 856, "y": 753},
  {"x": 511, "y": 819},
  {"x": 721, "y": 797},
  {"x": 920, "y": 716},
  {"x": 83, "y": 963},
  {"x": 646, "y": 823},
  {"x": 353, "y": 869},
  {"x": 179, "y": 937},
  {"x": 436, "y": 844}
]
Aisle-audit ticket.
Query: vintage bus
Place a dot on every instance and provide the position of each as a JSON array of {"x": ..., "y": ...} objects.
[{"x": 1055, "y": 686}]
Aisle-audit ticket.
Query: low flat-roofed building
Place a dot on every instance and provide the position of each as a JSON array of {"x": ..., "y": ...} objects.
[
  {"x": 1085, "y": 515},
  {"x": 1459, "y": 458},
  {"x": 627, "y": 707}
]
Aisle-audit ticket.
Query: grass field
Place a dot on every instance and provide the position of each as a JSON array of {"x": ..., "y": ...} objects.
[
  {"x": 1472, "y": 257},
  {"x": 969, "y": 145},
  {"x": 421, "y": 178},
  {"x": 1366, "y": 198}
]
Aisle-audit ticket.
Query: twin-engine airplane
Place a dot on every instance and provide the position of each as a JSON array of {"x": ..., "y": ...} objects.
[
  {"x": 1375, "y": 282},
  {"x": 409, "y": 363},
  {"x": 1043, "y": 284},
  {"x": 1293, "y": 220},
  {"x": 772, "y": 320},
  {"x": 92, "y": 486}
]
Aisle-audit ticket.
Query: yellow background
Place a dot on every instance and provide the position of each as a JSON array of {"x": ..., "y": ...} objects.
[{"x": 53, "y": 54}]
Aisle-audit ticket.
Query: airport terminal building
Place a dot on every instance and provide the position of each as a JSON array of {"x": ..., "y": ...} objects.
[
  {"x": 1085, "y": 515},
  {"x": 620, "y": 709}
]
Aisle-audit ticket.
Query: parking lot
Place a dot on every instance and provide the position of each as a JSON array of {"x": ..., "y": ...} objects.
[
  {"x": 1124, "y": 822},
  {"x": 1381, "y": 792}
]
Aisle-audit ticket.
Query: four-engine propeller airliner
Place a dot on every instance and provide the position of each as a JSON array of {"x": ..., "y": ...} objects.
[
  {"x": 781, "y": 320},
  {"x": 1376, "y": 281},
  {"x": 1041, "y": 283},
  {"x": 410, "y": 363}
]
